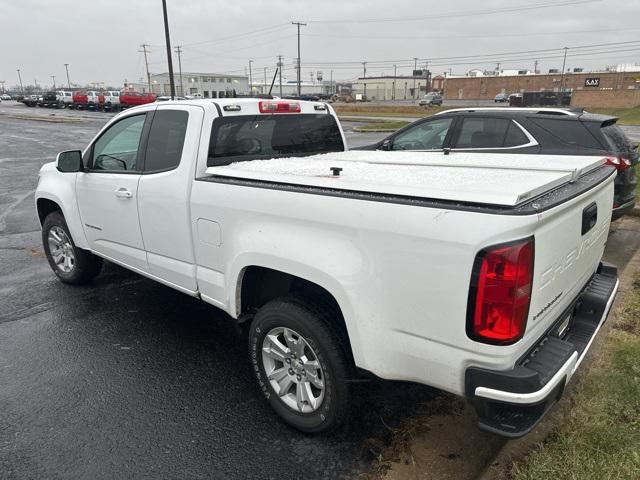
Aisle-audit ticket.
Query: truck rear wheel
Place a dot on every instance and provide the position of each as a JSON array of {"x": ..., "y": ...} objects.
[
  {"x": 70, "y": 264},
  {"x": 300, "y": 364}
]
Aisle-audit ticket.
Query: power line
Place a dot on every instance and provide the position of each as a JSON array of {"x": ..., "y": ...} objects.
[
  {"x": 476, "y": 56},
  {"x": 488, "y": 35},
  {"x": 466, "y": 13},
  {"x": 280, "y": 26}
]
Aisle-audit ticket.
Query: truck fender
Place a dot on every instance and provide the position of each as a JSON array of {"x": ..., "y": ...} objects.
[
  {"x": 304, "y": 271},
  {"x": 62, "y": 193}
]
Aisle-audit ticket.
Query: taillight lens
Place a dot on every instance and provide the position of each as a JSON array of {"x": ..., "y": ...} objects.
[
  {"x": 500, "y": 293},
  {"x": 619, "y": 162},
  {"x": 279, "y": 107}
]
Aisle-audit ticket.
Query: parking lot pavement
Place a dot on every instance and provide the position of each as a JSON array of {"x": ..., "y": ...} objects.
[{"x": 130, "y": 379}]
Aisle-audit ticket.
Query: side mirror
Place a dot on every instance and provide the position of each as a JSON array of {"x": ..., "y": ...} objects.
[
  {"x": 386, "y": 145},
  {"x": 69, "y": 161}
]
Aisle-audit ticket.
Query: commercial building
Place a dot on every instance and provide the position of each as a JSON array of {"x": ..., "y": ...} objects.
[
  {"x": 290, "y": 87},
  {"x": 209, "y": 85},
  {"x": 486, "y": 87},
  {"x": 391, "y": 88}
]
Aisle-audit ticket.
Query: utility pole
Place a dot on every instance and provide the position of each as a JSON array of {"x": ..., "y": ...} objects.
[
  {"x": 395, "y": 75},
  {"x": 364, "y": 75},
  {"x": 564, "y": 62},
  {"x": 66, "y": 67},
  {"x": 250, "y": 78},
  {"x": 179, "y": 52},
  {"x": 299, "y": 24},
  {"x": 146, "y": 64},
  {"x": 172, "y": 83},
  {"x": 415, "y": 67},
  {"x": 265, "y": 80},
  {"x": 53, "y": 77},
  {"x": 331, "y": 83},
  {"x": 535, "y": 66},
  {"x": 20, "y": 79},
  {"x": 280, "y": 72}
]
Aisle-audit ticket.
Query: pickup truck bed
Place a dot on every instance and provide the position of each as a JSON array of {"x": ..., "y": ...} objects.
[{"x": 457, "y": 177}]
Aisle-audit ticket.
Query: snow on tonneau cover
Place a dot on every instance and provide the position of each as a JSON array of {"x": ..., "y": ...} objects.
[
  {"x": 564, "y": 258},
  {"x": 507, "y": 180}
]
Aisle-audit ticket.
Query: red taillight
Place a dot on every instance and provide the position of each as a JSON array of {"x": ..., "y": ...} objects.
[
  {"x": 619, "y": 162},
  {"x": 279, "y": 107},
  {"x": 500, "y": 293}
]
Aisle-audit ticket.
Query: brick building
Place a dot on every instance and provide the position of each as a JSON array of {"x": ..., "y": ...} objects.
[{"x": 487, "y": 87}]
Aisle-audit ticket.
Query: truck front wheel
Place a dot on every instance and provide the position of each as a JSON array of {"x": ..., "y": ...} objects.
[
  {"x": 71, "y": 264},
  {"x": 300, "y": 364}
]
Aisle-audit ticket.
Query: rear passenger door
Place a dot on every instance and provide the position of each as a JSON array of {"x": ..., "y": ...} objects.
[
  {"x": 477, "y": 133},
  {"x": 164, "y": 191}
]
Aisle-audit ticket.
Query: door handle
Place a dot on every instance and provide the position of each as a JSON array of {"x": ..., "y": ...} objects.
[{"x": 123, "y": 193}]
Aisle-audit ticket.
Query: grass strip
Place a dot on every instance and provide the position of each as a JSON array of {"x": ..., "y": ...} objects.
[{"x": 600, "y": 437}]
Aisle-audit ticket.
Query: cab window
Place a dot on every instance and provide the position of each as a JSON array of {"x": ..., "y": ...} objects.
[
  {"x": 428, "y": 135},
  {"x": 166, "y": 139},
  {"x": 117, "y": 148}
]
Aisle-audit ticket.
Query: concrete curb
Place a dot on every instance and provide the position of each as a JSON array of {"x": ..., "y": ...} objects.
[{"x": 497, "y": 468}]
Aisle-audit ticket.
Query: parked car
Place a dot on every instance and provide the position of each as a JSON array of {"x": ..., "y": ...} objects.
[
  {"x": 430, "y": 99},
  {"x": 48, "y": 99},
  {"x": 550, "y": 131},
  {"x": 501, "y": 98},
  {"x": 95, "y": 100},
  {"x": 112, "y": 100},
  {"x": 80, "y": 100},
  {"x": 65, "y": 99},
  {"x": 31, "y": 100},
  {"x": 134, "y": 99},
  {"x": 339, "y": 263},
  {"x": 5, "y": 96}
]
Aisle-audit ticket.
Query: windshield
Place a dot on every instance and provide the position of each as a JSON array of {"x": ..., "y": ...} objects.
[{"x": 251, "y": 137}]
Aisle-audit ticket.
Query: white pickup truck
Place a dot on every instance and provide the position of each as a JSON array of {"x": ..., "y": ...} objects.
[
  {"x": 112, "y": 100},
  {"x": 477, "y": 274}
]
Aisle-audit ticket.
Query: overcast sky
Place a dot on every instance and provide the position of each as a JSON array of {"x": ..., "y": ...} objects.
[{"x": 100, "y": 39}]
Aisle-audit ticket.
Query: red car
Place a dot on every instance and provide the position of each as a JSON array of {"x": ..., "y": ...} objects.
[
  {"x": 80, "y": 100},
  {"x": 133, "y": 99}
]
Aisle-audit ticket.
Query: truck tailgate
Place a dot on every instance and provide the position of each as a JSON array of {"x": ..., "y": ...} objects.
[
  {"x": 505, "y": 180},
  {"x": 569, "y": 242}
]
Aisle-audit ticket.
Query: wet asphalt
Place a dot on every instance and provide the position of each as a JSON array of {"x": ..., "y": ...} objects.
[{"x": 127, "y": 378}]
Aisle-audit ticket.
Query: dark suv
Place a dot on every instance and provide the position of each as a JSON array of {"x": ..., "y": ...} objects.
[{"x": 553, "y": 131}]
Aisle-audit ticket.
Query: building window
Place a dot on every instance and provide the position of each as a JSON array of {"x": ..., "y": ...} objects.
[{"x": 206, "y": 94}]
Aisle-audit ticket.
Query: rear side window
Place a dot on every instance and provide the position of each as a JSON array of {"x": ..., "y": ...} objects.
[
  {"x": 515, "y": 136},
  {"x": 484, "y": 132},
  {"x": 570, "y": 132},
  {"x": 616, "y": 138},
  {"x": 251, "y": 137},
  {"x": 166, "y": 139}
]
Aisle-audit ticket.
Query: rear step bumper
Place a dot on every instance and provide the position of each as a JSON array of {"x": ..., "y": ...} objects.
[{"x": 510, "y": 403}]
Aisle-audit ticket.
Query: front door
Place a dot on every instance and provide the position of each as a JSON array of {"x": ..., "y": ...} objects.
[{"x": 107, "y": 193}]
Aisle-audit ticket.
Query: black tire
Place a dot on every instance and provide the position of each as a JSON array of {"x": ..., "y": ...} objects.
[
  {"x": 86, "y": 265},
  {"x": 312, "y": 322}
]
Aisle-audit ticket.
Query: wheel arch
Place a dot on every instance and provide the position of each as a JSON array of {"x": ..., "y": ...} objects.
[
  {"x": 44, "y": 207},
  {"x": 258, "y": 284}
]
